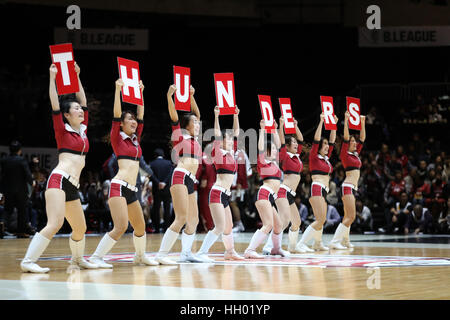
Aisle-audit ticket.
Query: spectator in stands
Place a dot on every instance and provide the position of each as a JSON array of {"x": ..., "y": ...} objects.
[
  {"x": 305, "y": 188},
  {"x": 162, "y": 172},
  {"x": 422, "y": 171},
  {"x": 374, "y": 185},
  {"x": 16, "y": 179},
  {"x": 444, "y": 219},
  {"x": 363, "y": 221},
  {"x": 305, "y": 217},
  {"x": 104, "y": 215},
  {"x": 435, "y": 116},
  {"x": 419, "y": 221},
  {"x": 418, "y": 144},
  {"x": 397, "y": 215},
  {"x": 436, "y": 200},
  {"x": 402, "y": 159},
  {"x": 371, "y": 117},
  {"x": 409, "y": 180},
  {"x": 421, "y": 192},
  {"x": 437, "y": 162},
  {"x": 433, "y": 145},
  {"x": 333, "y": 220},
  {"x": 332, "y": 196},
  {"x": 394, "y": 189},
  {"x": 430, "y": 177},
  {"x": 446, "y": 169},
  {"x": 384, "y": 154}
]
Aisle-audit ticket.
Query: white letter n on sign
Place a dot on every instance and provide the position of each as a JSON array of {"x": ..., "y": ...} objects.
[
  {"x": 225, "y": 94},
  {"x": 133, "y": 82}
]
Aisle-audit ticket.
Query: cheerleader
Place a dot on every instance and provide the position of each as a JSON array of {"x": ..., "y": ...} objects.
[
  {"x": 270, "y": 173},
  {"x": 224, "y": 148},
  {"x": 189, "y": 154},
  {"x": 350, "y": 151},
  {"x": 125, "y": 135},
  {"x": 320, "y": 168},
  {"x": 62, "y": 200},
  {"x": 292, "y": 166}
]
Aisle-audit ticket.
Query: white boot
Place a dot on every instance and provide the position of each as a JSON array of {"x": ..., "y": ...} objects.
[
  {"x": 346, "y": 239},
  {"x": 293, "y": 237},
  {"x": 301, "y": 246},
  {"x": 338, "y": 237},
  {"x": 209, "y": 240},
  {"x": 140, "y": 244},
  {"x": 257, "y": 239},
  {"x": 269, "y": 245},
  {"x": 37, "y": 246},
  {"x": 167, "y": 243},
  {"x": 277, "y": 241},
  {"x": 186, "y": 248},
  {"x": 77, "y": 248},
  {"x": 239, "y": 227},
  {"x": 318, "y": 245},
  {"x": 103, "y": 248}
]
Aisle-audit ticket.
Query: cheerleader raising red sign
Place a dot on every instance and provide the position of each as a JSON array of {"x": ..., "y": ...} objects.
[
  {"x": 129, "y": 73},
  {"x": 66, "y": 78}
]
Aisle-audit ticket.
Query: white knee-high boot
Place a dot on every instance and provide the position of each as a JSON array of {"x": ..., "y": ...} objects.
[
  {"x": 293, "y": 238},
  {"x": 301, "y": 246},
  {"x": 277, "y": 240},
  {"x": 346, "y": 238},
  {"x": 104, "y": 246},
  {"x": 338, "y": 237},
  {"x": 269, "y": 244},
  {"x": 167, "y": 243},
  {"x": 208, "y": 241},
  {"x": 140, "y": 244},
  {"x": 318, "y": 245},
  {"x": 258, "y": 238},
  {"x": 186, "y": 248},
  {"x": 77, "y": 248},
  {"x": 37, "y": 246}
]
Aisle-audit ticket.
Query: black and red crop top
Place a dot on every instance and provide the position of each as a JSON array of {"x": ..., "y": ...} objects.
[
  {"x": 185, "y": 145},
  {"x": 290, "y": 162},
  {"x": 223, "y": 160},
  {"x": 124, "y": 146},
  {"x": 67, "y": 139},
  {"x": 350, "y": 160},
  {"x": 267, "y": 169},
  {"x": 317, "y": 163}
]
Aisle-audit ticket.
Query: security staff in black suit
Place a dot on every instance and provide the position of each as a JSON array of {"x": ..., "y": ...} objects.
[
  {"x": 15, "y": 179},
  {"x": 162, "y": 172}
]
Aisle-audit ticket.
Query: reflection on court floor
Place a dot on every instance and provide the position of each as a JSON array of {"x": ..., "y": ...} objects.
[{"x": 378, "y": 267}]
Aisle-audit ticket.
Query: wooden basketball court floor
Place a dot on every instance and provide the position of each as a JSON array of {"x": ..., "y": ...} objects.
[{"x": 379, "y": 267}]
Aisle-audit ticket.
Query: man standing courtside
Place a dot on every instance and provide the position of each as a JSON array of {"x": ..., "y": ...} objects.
[{"x": 14, "y": 182}]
